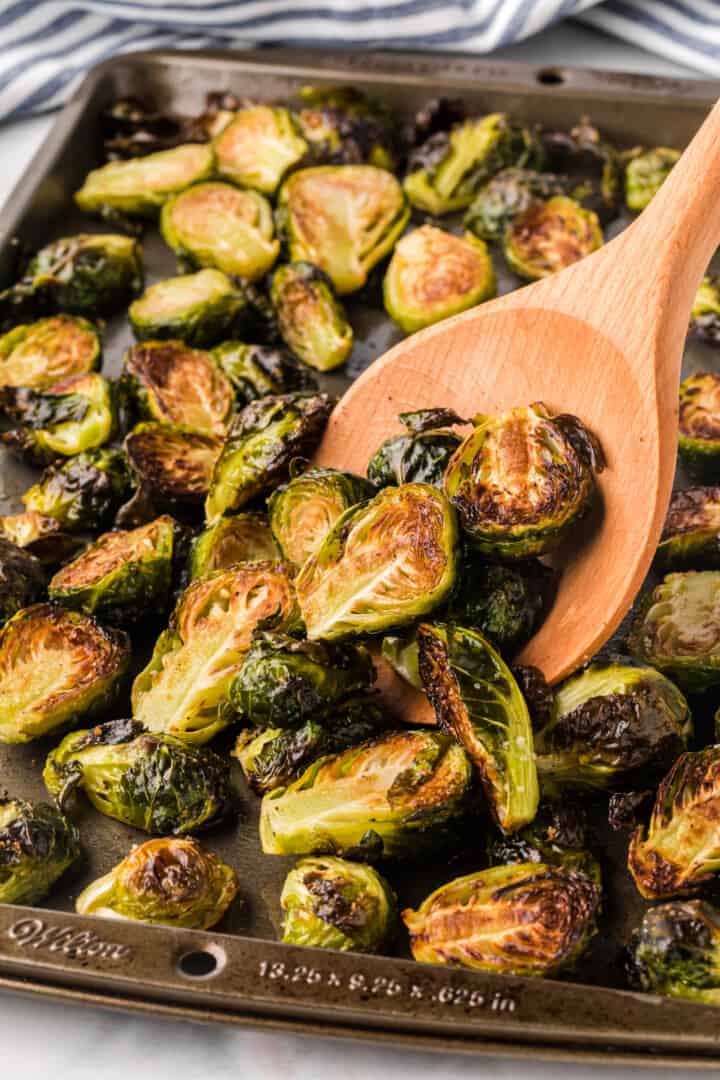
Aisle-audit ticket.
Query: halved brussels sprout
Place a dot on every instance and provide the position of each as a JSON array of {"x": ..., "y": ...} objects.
[
  {"x": 37, "y": 845},
  {"x": 507, "y": 195},
  {"x": 201, "y": 309},
  {"x": 303, "y": 511},
  {"x": 591, "y": 165},
  {"x": 174, "y": 384},
  {"x": 345, "y": 126},
  {"x": 37, "y": 354},
  {"x": 645, "y": 175},
  {"x": 22, "y": 580},
  {"x": 121, "y": 576},
  {"x": 257, "y": 371},
  {"x": 612, "y": 724},
  {"x": 676, "y": 951},
  {"x": 438, "y": 114},
  {"x": 56, "y": 668},
  {"x": 263, "y": 440},
  {"x": 173, "y": 468},
  {"x": 679, "y": 851},
  {"x": 691, "y": 536},
  {"x": 283, "y": 682},
  {"x": 312, "y": 321},
  {"x": 258, "y": 147},
  {"x": 677, "y": 629},
  {"x": 389, "y": 796},
  {"x": 521, "y": 480},
  {"x": 384, "y": 563},
  {"x": 522, "y": 919},
  {"x": 419, "y": 455},
  {"x": 73, "y": 415},
  {"x": 705, "y": 316},
  {"x": 506, "y": 603},
  {"x": 434, "y": 274},
  {"x": 557, "y": 837},
  {"x": 218, "y": 225},
  {"x": 343, "y": 219},
  {"x": 195, "y": 660},
  {"x": 142, "y": 185},
  {"x": 151, "y": 782},
  {"x": 133, "y": 128},
  {"x": 448, "y": 170},
  {"x": 549, "y": 236},
  {"x": 40, "y": 536},
  {"x": 168, "y": 882},
  {"x": 83, "y": 492},
  {"x": 232, "y": 540},
  {"x": 699, "y": 442},
  {"x": 478, "y": 702},
  {"x": 330, "y": 903}
]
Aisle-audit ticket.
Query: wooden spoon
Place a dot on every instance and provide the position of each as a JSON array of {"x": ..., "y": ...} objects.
[{"x": 603, "y": 340}]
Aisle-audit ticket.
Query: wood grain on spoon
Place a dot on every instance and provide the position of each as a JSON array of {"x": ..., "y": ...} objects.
[{"x": 604, "y": 340}]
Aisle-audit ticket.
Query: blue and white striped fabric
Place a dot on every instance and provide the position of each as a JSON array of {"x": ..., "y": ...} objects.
[{"x": 46, "y": 46}]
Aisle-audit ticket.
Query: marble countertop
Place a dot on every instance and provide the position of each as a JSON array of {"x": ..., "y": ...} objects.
[{"x": 41, "y": 1039}]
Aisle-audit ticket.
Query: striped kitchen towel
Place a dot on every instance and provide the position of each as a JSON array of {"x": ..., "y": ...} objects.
[{"x": 46, "y": 46}]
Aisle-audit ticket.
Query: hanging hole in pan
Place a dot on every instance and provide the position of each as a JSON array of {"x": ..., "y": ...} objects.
[
  {"x": 550, "y": 77},
  {"x": 202, "y": 963}
]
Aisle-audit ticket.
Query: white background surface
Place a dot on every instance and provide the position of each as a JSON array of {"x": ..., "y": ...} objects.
[{"x": 39, "y": 1041}]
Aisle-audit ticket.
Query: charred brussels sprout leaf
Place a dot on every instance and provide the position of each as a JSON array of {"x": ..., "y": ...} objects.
[
  {"x": 141, "y": 186},
  {"x": 557, "y": 837},
  {"x": 22, "y": 580},
  {"x": 343, "y": 219},
  {"x": 83, "y": 492},
  {"x": 37, "y": 845},
  {"x": 264, "y": 438},
  {"x": 705, "y": 317},
  {"x": 421, "y": 454},
  {"x": 312, "y": 322},
  {"x": 123, "y": 577},
  {"x": 345, "y": 126},
  {"x": 402, "y": 653},
  {"x": 676, "y": 951},
  {"x": 173, "y": 467},
  {"x": 506, "y": 603},
  {"x": 56, "y": 668},
  {"x": 384, "y": 563},
  {"x": 303, "y": 511},
  {"x": 393, "y": 793},
  {"x": 691, "y": 536},
  {"x": 169, "y": 382},
  {"x": 257, "y": 371},
  {"x": 38, "y": 354},
  {"x": 478, "y": 702},
  {"x": 550, "y": 236},
  {"x": 523, "y": 919},
  {"x": 591, "y": 164},
  {"x": 218, "y": 225},
  {"x": 699, "y": 443},
  {"x": 151, "y": 782},
  {"x": 169, "y": 882},
  {"x": 194, "y": 661},
  {"x": 259, "y": 145},
  {"x": 330, "y": 903},
  {"x": 507, "y": 195},
  {"x": 232, "y": 540},
  {"x": 680, "y": 850},
  {"x": 522, "y": 479},
  {"x": 201, "y": 309},
  {"x": 646, "y": 173},
  {"x": 434, "y": 274},
  {"x": 40, "y": 536},
  {"x": 677, "y": 629}
]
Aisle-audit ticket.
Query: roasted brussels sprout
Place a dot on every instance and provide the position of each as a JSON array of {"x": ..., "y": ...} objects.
[
  {"x": 264, "y": 438},
  {"x": 36, "y": 355},
  {"x": 699, "y": 442},
  {"x": 330, "y": 903},
  {"x": 232, "y": 540},
  {"x": 169, "y": 882},
  {"x": 419, "y": 455},
  {"x": 680, "y": 850},
  {"x": 434, "y": 274},
  {"x": 522, "y": 919},
  {"x": 152, "y": 782},
  {"x": 506, "y": 603},
  {"x": 344, "y": 219},
  {"x": 71, "y": 416},
  {"x": 201, "y": 309},
  {"x": 676, "y": 951},
  {"x": 195, "y": 660},
  {"x": 705, "y": 316},
  {"x": 645, "y": 174},
  {"x": 56, "y": 668},
  {"x": 283, "y": 682},
  {"x": 303, "y": 511},
  {"x": 522, "y": 479},
  {"x": 549, "y": 236},
  {"x": 218, "y": 225},
  {"x": 142, "y": 185},
  {"x": 676, "y": 629},
  {"x": 691, "y": 536},
  {"x": 383, "y": 564},
  {"x": 478, "y": 702},
  {"x": 173, "y": 468},
  {"x": 22, "y": 580},
  {"x": 121, "y": 576},
  {"x": 612, "y": 724},
  {"x": 345, "y": 126},
  {"x": 37, "y": 845},
  {"x": 169, "y": 382},
  {"x": 40, "y": 536},
  {"x": 132, "y": 128},
  {"x": 507, "y": 195},
  {"x": 591, "y": 165},
  {"x": 557, "y": 837},
  {"x": 448, "y": 170},
  {"x": 390, "y": 796},
  {"x": 83, "y": 492},
  {"x": 437, "y": 114},
  {"x": 312, "y": 322},
  {"x": 259, "y": 145},
  {"x": 257, "y": 371}
]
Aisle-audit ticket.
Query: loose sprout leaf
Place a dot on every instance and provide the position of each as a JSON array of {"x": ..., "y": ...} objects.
[
  {"x": 259, "y": 146},
  {"x": 37, "y": 845},
  {"x": 201, "y": 309},
  {"x": 691, "y": 535},
  {"x": 231, "y": 540},
  {"x": 38, "y": 354},
  {"x": 699, "y": 441},
  {"x": 311, "y": 320},
  {"x": 550, "y": 236},
  {"x": 420, "y": 455},
  {"x": 82, "y": 492},
  {"x": 141, "y": 186}
]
